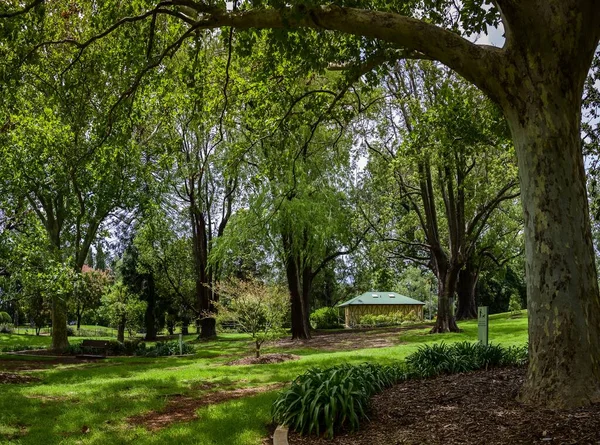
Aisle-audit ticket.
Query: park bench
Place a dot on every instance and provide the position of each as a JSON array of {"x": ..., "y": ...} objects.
[{"x": 93, "y": 349}]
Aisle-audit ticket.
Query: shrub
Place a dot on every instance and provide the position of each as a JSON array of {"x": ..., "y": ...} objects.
[
  {"x": 257, "y": 308},
  {"x": 130, "y": 347},
  {"x": 516, "y": 355},
  {"x": 74, "y": 349},
  {"x": 5, "y": 318},
  {"x": 391, "y": 319},
  {"x": 325, "y": 400},
  {"x": 70, "y": 331},
  {"x": 5, "y": 329},
  {"x": 411, "y": 316},
  {"x": 440, "y": 358},
  {"x": 325, "y": 318},
  {"x": 163, "y": 349},
  {"x": 514, "y": 305}
]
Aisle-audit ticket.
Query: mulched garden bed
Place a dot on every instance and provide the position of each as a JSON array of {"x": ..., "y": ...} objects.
[
  {"x": 473, "y": 408},
  {"x": 265, "y": 359}
]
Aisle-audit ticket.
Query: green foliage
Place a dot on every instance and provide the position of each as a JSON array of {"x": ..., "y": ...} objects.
[
  {"x": 123, "y": 308},
  {"x": 5, "y": 318},
  {"x": 326, "y": 400},
  {"x": 325, "y": 318},
  {"x": 441, "y": 358},
  {"x": 5, "y": 321},
  {"x": 115, "y": 348},
  {"x": 514, "y": 305},
  {"x": 496, "y": 286},
  {"x": 258, "y": 309},
  {"x": 164, "y": 349}
]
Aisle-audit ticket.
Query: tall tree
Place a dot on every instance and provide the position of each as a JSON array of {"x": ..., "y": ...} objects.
[
  {"x": 446, "y": 149},
  {"x": 206, "y": 175},
  {"x": 70, "y": 157}
]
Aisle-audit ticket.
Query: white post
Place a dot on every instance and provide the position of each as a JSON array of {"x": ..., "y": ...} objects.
[{"x": 180, "y": 343}]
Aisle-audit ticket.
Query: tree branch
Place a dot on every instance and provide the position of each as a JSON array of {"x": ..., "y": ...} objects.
[
  {"x": 25, "y": 10},
  {"x": 472, "y": 61}
]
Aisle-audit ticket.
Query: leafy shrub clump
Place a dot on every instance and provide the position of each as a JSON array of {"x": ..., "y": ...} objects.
[
  {"x": 325, "y": 318},
  {"x": 325, "y": 400},
  {"x": 129, "y": 347},
  {"x": 5, "y": 329},
  {"x": 162, "y": 349},
  {"x": 514, "y": 305},
  {"x": 391, "y": 319},
  {"x": 74, "y": 349},
  {"x": 441, "y": 358},
  {"x": 5, "y": 320}
]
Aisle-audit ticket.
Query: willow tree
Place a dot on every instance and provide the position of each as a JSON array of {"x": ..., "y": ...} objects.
[{"x": 300, "y": 192}]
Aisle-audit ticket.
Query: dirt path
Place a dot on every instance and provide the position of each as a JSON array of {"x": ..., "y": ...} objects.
[
  {"x": 182, "y": 408},
  {"x": 351, "y": 339},
  {"x": 467, "y": 409}
]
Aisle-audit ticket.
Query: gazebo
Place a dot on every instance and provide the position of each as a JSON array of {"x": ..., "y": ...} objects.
[{"x": 377, "y": 303}]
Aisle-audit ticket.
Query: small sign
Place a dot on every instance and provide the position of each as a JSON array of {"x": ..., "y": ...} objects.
[{"x": 482, "y": 324}]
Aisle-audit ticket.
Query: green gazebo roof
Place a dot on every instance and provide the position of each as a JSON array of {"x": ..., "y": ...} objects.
[{"x": 380, "y": 298}]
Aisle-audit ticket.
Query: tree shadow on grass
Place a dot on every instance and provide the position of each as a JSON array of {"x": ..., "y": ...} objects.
[{"x": 238, "y": 422}]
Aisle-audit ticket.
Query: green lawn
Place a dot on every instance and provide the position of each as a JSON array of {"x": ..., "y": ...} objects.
[{"x": 101, "y": 395}]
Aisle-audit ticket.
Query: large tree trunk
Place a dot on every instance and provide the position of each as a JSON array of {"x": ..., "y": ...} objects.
[
  {"x": 446, "y": 321},
  {"x": 465, "y": 289},
  {"x": 203, "y": 303},
  {"x": 299, "y": 296},
  {"x": 298, "y": 300},
  {"x": 562, "y": 286},
  {"x": 60, "y": 340},
  {"x": 307, "y": 280},
  {"x": 121, "y": 330},
  {"x": 79, "y": 313}
]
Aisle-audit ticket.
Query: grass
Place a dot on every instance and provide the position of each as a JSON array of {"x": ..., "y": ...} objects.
[{"x": 101, "y": 395}]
